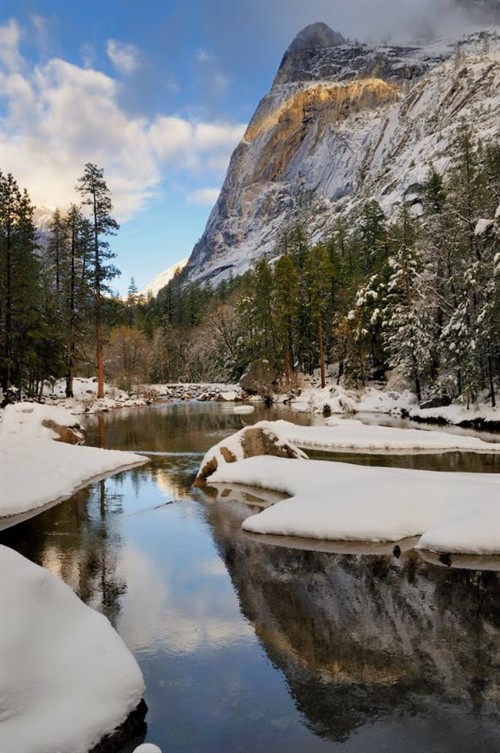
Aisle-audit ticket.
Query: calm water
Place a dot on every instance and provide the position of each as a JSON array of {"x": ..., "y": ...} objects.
[{"x": 246, "y": 646}]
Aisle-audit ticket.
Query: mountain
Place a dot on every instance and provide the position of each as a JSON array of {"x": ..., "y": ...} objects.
[
  {"x": 163, "y": 278},
  {"x": 344, "y": 122}
]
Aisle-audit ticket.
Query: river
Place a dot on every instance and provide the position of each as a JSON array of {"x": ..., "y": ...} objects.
[{"x": 258, "y": 648}]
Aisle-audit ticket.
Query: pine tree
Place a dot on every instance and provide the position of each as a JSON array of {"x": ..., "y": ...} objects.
[
  {"x": 404, "y": 314},
  {"x": 320, "y": 277},
  {"x": 285, "y": 307},
  {"x": 132, "y": 303},
  {"x": 20, "y": 289},
  {"x": 55, "y": 249},
  {"x": 77, "y": 291},
  {"x": 468, "y": 187},
  {"x": 371, "y": 236},
  {"x": 264, "y": 318},
  {"x": 97, "y": 197}
]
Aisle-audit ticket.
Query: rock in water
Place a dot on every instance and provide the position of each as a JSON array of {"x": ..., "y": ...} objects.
[{"x": 246, "y": 443}]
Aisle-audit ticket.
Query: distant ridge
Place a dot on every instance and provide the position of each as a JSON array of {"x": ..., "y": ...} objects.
[{"x": 163, "y": 278}]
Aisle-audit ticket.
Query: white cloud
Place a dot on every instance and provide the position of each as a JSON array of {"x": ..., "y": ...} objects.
[
  {"x": 88, "y": 54},
  {"x": 220, "y": 82},
  {"x": 59, "y": 116},
  {"x": 204, "y": 197},
  {"x": 40, "y": 26},
  {"x": 125, "y": 57},
  {"x": 10, "y": 36},
  {"x": 203, "y": 56},
  {"x": 194, "y": 145}
]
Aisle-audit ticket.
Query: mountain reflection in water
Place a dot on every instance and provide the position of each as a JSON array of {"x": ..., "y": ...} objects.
[{"x": 360, "y": 637}]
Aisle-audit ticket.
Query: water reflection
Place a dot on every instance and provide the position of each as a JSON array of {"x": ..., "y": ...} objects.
[
  {"x": 360, "y": 638},
  {"x": 176, "y": 427},
  {"x": 460, "y": 462},
  {"x": 80, "y": 542}
]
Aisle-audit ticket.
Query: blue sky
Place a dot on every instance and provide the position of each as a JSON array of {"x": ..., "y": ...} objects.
[{"x": 158, "y": 94}]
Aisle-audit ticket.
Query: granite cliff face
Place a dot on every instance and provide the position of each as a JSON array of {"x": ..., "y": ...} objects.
[{"x": 344, "y": 122}]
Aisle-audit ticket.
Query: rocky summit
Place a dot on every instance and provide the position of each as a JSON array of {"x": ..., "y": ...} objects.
[{"x": 342, "y": 123}]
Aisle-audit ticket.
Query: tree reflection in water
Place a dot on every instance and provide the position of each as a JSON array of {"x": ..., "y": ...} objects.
[{"x": 79, "y": 542}]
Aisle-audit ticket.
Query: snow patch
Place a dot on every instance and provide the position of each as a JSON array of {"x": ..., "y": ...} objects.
[
  {"x": 67, "y": 677},
  {"x": 451, "y": 512},
  {"x": 338, "y": 399},
  {"x": 343, "y": 434}
]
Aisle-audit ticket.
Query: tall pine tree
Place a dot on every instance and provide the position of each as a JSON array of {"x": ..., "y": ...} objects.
[{"x": 96, "y": 195}]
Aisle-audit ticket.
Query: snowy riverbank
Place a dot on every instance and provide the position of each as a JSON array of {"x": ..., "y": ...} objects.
[
  {"x": 336, "y": 399},
  {"x": 67, "y": 677},
  {"x": 331, "y": 400},
  {"x": 85, "y": 398},
  {"x": 37, "y": 471}
]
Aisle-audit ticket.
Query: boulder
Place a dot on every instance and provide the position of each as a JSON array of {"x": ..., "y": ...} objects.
[
  {"x": 438, "y": 401},
  {"x": 260, "y": 379},
  {"x": 246, "y": 443},
  {"x": 228, "y": 397},
  {"x": 70, "y": 434}
]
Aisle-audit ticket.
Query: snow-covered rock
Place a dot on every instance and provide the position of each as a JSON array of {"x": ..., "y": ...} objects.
[
  {"x": 36, "y": 421},
  {"x": 260, "y": 439},
  {"x": 67, "y": 678}
]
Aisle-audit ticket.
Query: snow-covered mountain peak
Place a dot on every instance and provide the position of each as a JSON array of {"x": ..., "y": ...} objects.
[
  {"x": 309, "y": 44},
  {"x": 346, "y": 123}
]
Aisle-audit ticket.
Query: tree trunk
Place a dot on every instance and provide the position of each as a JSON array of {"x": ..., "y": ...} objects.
[
  {"x": 100, "y": 358},
  {"x": 7, "y": 372},
  {"x": 321, "y": 353},
  {"x": 490, "y": 374},
  {"x": 72, "y": 309}
]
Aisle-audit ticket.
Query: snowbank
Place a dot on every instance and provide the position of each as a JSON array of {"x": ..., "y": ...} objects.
[
  {"x": 451, "y": 512},
  {"x": 457, "y": 414},
  {"x": 85, "y": 396},
  {"x": 337, "y": 399},
  {"x": 37, "y": 471},
  {"x": 67, "y": 677},
  {"x": 347, "y": 434},
  {"x": 350, "y": 434}
]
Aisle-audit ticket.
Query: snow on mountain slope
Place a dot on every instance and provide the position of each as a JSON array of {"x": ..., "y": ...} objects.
[
  {"x": 163, "y": 278},
  {"x": 344, "y": 122}
]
